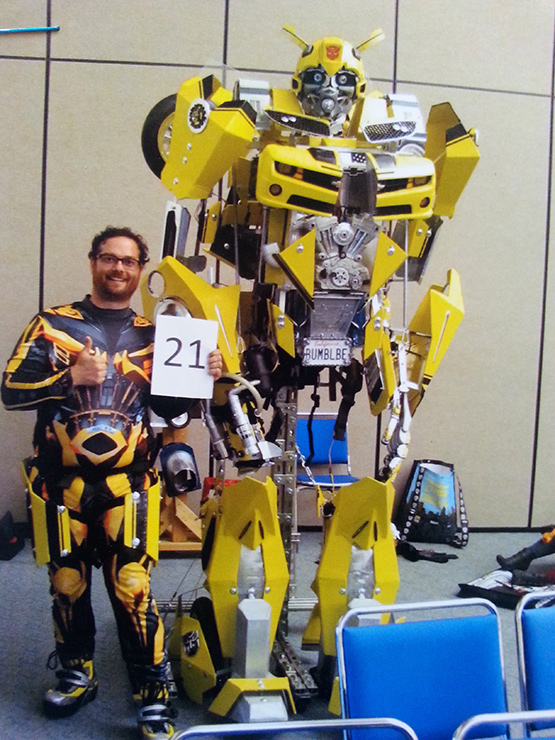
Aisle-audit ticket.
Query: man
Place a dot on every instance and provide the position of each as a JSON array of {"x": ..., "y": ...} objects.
[{"x": 85, "y": 368}]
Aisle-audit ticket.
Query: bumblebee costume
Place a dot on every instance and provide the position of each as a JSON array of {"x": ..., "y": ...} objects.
[{"x": 94, "y": 493}]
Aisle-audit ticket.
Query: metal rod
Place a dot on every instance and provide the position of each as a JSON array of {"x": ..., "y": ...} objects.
[
  {"x": 37, "y": 29},
  {"x": 252, "y": 728},
  {"x": 295, "y": 605}
]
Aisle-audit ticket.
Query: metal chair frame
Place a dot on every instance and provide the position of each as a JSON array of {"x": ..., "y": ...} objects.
[
  {"x": 523, "y": 719},
  {"x": 320, "y": 725}
]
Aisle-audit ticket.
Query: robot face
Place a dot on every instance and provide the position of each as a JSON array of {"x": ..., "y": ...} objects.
[
  {"x": 328, "y": 96},
  {"x": 329, "y": 78}
]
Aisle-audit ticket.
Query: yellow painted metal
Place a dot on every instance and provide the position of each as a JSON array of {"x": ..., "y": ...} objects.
[
  {"x": 435, "y": 322},
  {"x": 361, "y": 520},
  {"x": 200, "y": 156},
  {"x": 389, "y": 257},
  {"x": 313, "y": 629},
  {"x": 334, "y": 706},
  {"x": 153, "y": 521},
  {"x": 248, "y": 518},
  {"x": 374, "y": 330},
  {"x": 283, "y": 330},
  {"x": 235, "y": 687},
  {"x": 64, "y": 534},
  {"x": 297, "y": 261},
  {"x": 280, "y": 182},
  {"x": 197, "y": 669},
  {"x": 385, "y": 359},
  {"x": 129, "y": 520},
  {"x": 415, "y": 201},
  {"x": 203, "y": 301},
  {"x": 417, "y": 236},
  {"x": 275, "y": 275},
  {"x": 40, "y": 534},
  {"x": 286, "y": 101},
  {"x": 454, "y": 153},
  {"x": 211, "y": 222}
]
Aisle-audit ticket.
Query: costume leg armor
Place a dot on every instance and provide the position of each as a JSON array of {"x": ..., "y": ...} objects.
[
  {"x": 114, "y": 522},
  {"x": 74, "y": 626},
  {"x": 140, "y": 629}
]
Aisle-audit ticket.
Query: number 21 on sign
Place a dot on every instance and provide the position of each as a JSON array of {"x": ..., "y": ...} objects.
[{"x": 181, "y": 349}]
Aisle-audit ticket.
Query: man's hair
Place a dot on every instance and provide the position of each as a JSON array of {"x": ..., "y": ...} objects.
[{"x": 111, "y": 231}]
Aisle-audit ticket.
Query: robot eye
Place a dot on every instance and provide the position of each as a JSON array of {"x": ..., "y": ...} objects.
[
  {"x": 314, "y": 77},
  {"x": 346, "y": 79}
]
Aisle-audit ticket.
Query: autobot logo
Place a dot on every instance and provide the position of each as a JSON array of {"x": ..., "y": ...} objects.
[
  {"x": 332, "y": 52},
  {"x": 191, "y": 643}
]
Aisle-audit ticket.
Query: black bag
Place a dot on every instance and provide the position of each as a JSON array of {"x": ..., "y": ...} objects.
[
  {"x": 432, "y": 508},
  {"x": 10, "y": 542}
]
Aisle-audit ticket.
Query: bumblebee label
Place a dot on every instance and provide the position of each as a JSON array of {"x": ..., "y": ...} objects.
[{"x": 327, "y": 352}]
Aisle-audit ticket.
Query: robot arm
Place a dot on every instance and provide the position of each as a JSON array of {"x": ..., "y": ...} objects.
[{"x": 209, "y": 133}]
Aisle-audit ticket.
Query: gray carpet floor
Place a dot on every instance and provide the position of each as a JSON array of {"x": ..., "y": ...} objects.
[{"x": 26, "y": 634}]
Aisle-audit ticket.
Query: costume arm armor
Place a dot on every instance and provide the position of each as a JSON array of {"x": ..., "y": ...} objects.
[{"x": 37, "y": 371}]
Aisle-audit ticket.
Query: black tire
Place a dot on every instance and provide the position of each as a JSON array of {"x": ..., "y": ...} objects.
[{"x": 156, "y": 135}]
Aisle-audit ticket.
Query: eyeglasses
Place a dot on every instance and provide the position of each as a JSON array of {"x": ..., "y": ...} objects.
[{"x": 110, "y": 260}]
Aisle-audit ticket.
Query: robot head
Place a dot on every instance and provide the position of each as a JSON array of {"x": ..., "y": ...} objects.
[{"x": 329, "y": 78}]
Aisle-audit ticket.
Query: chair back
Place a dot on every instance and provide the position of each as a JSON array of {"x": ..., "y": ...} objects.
[
  {"x": 535, "y": 629},
  {"x": 432, "y": 673},
  {"x": 326, "y": 448}
]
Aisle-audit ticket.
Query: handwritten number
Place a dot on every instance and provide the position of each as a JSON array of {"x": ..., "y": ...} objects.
[
  {"x": 197, "y": 359},
  {"x": 179, "y": 344}
]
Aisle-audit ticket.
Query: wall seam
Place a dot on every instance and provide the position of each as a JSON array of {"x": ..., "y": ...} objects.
[
  {"x": 541, "y": 353},
  {"x": 42, "y": 245}
]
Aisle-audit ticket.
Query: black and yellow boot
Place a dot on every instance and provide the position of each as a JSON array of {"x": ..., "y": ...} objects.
[
  {"x": 522, "y": 559},
  {"x": 155, "y": 714},
  {"x": 77, "y": 685}
]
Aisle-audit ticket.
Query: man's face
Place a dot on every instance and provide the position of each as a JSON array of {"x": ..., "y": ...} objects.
[{"x": 114, "y": 282}]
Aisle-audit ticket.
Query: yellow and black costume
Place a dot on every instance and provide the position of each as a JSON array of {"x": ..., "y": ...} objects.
[{"x": 94, "y": 493}]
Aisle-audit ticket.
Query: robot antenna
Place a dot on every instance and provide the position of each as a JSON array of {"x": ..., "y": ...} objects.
[
  {"x": 375, "y": 37},
  {"x": 297, "y": 39}
]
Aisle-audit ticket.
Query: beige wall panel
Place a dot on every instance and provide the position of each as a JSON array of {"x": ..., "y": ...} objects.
[
  {"x": 28, "y": 14},
  {"x": 96, "y": 171},
  {"x": 21, "y": 108},
  {"x": 256, "y": 38},
  {"x": 183, "y": 32},
  {"x": 499, "y": 44},
  {"x": 479, "y": 410},
  {"x": 543, "y": 510}
]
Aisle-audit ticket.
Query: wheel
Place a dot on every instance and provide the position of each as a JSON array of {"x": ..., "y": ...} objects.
[{"x": 157, "y": 134}]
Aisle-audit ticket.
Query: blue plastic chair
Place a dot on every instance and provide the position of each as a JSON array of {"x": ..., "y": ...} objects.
[
  {"x": 535, "y": 630},
  {"x": 333, "y": 454},
  {"x": 432, "y": 673}
]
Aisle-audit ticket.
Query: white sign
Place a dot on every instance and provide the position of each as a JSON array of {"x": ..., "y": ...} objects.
[{"x": 180, "y": 364}]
